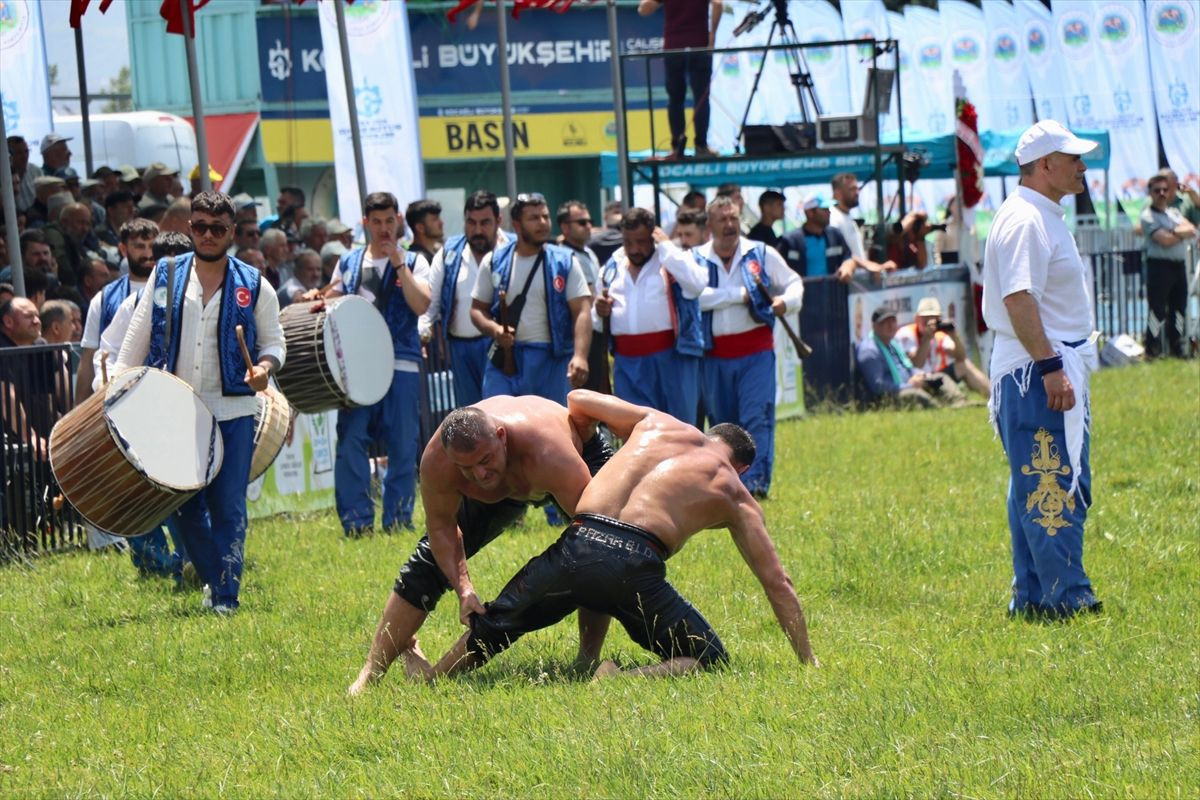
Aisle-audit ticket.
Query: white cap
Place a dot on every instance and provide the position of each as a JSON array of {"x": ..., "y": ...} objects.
[
  {"x": 815, "y": 200},
  {"x": 1048, "y": 137}
]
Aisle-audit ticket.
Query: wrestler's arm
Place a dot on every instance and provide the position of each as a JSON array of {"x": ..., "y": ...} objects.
[
  {"x": 750, "y": 534},
  {"x": 585, "y": 408},
  {"x": 441, "y": 504}
]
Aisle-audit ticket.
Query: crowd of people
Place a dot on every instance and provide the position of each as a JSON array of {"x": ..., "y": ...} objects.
[{"x": 625, "y": 325}]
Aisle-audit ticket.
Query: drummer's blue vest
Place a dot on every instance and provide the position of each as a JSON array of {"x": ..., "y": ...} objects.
[
  {"x": 685, "y": 313},
  {"x": 452, "y": 260},
  {"x": 401, "y": 321},
  {"x": 111, "y": 297},
  {"x": 556, "y": 271},
  {"x": 752, "y": 263},
  {"x": 239, "y": 295}
]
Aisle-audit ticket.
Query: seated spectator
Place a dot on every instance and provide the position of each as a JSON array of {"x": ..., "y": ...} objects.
[
  {"x": 691, "y": 228},
  {"x": 61, "y": 322},
  {"x": 118, "y": 209},
  {"x": 906, "y": 244},
  {"x": 178, "y": 217},
  {"x": 45, "y": 187},
  {"x": 20, "y": 323},
  {"x": 770, "y": 211},
  {"x": 276, "y": 251},
  {"x": 307, "y": 275},
  {"x": 888, "y": 375},
  {"x": 66, "y": 236},
  {"x": 254, "y": 258},
  {"x": 935, "y": 347},
  {"x": 331, "y": 254},
  {"x": 815, "y": 248},
  {"x": 314, "y": 234},
  {"x": 338, "y": 231},
  {"x": 6, "y": 293}
]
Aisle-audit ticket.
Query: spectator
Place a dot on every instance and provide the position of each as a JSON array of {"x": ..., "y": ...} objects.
[
  {"x": 888, "y": 374},
  {"x": 307, "y": 275},
  {"x": 158, "y": 178},
  {"x": 275, "y": 249},
  {"x": 254, "y": 257},
  {"x": 92, "y": 192},
  {"x": 60, "y": 322},
  {"x": 331, "y": 254},
  {"x": 694, "y": 200},
  {"x": 770, "y": 211},
  {"x": 24, "y": 174},
  {"x": 816, "y": 248},
  {"x": 45, "y": 187},
  {"x": 6, "y": 293},
  {"x": 575, "y": 224},
  {"x": 93, "y": 280},
  {"x": 178, "y": 217},
  {"x": 20, "y": 323},
  {"x": 906, "y": 245},
  {"x": 338, "y": 230},
  {"x": 734, "y": 193},
  {"x": 845, "y": 197},
  {"x": 245, "y": 209},
  {"x": 314, "y": 234},
  {"x": 606, "y": 241},
  {"x": 691, "y": 228},
  {"x": 424, "y": 218},
  {"x": 1182, "y": 196},
  {"x": 56, "y": 156},
  {"x": 935, "y": 347},
  {"x": 246, "y": 235},
  {"x": 288, "y": 203},
  {"x": 214, "y": 178},
  {"x": 66, "y": 238},
  {"x": 687, "y": 24},
  {"x": 130, "y": 180},
  {"x": 945, "y": 241},
  {"x": 118, "y": 209},
  {"x": 109, "y": 180},
  {"x": 1168, "y": 235}
]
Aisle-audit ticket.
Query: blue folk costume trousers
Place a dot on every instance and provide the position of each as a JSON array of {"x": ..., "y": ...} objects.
[
  {"x": 151, "y": 553},
  {"x": 1045, "y": 521},
  {"x": 539, "y": 372},
  {"x": 395, "y": 420},
  {"x": 742, "y": 391},
  {"x": 468, "y": 358},
  {"x": 667, "y": 381},
  {"x": 213, "y": 523}
]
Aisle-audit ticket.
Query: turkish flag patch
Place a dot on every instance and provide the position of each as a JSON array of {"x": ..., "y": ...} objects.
[
  {"x": 560, "y": 284},
  {"x": 242, "y": 295},
  {"x": 755, "y": 268}
]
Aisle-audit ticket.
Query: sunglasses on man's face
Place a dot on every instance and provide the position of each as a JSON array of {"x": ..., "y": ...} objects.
[{"x": 217, "y": 229}]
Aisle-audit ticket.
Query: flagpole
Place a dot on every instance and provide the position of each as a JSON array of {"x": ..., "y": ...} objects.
[
  {"x": 83, "y": 101},
  {"x": 7, "y": 194},
  {"x": 351, "y": 108},
  {"x": 618, "y": 103},
  {"x": 510, "y": 162},
  {"x": 189, "y": 46}
]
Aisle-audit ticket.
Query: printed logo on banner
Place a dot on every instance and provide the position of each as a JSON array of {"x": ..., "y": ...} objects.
[
  {"x": 279, "y": 61},
  {"x": 14, "y": 22},
  {"x": 1036, "y": 39},
  {"x": 1177, "y": 92},
  {"x": 1122, "y": 100},
  {"x": 1172, "y": 23},
  {"x": 1076, "y": 37},
  {"x": 1083, "y": 104},
  {"x": 929, "y": 55},
  {"x": 363, "y": 17},
  {"x": 1012, "y": 114},
  {"x": 731, "y": 65},
  {"x": 756, "y": 59},
  {"x": 1117, "y": 29},
  {"x": 367, "y": 99},
  {"x": 1004, "y": 48},
  {"x": 966, "y": 51},
  {"x": 820, "y": 59},
  {"x": 12, "y": 113}
]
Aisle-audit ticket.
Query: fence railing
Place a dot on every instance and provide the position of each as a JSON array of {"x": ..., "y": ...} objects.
[{"x": 36, "y": 390}]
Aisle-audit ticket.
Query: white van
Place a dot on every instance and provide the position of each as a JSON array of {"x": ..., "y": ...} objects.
[{"x": 138, "y": 138}]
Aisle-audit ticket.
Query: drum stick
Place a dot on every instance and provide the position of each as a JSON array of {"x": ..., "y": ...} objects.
[
  {"x": 103, "y": 367},
  {"x": 510, "y": 364},
  {"x": 245, "y": 352},
  {"x": 802, "y": 349}
]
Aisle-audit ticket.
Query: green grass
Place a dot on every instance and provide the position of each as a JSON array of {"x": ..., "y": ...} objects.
[{"x": 892, "y": 527}]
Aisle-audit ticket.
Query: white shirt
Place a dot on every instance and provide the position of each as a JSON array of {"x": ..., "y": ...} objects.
[
  {"x": 91, "y": 327},
  {"x": 849, "y": 229},
  {"x": 199, "y": 361},
  {"x": 727, "y": 301},
  {"x": 534, "y": 324},
  {"x": 460, "y": 317},
  {"x": 1029, "y": 248},
  {"x": 642, "y": 304},
  {"x": 112, "y": 336},
  {"x": 376, "y": 266}
]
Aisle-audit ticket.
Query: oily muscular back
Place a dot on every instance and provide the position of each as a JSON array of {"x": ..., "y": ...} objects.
[{"x": 668, "y": 479}]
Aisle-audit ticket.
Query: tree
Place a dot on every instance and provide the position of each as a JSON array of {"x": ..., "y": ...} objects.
[{"x": 122, "y": 84}]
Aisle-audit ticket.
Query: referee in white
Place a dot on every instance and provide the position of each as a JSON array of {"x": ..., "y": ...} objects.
[{"x": 1036, "y": 299}]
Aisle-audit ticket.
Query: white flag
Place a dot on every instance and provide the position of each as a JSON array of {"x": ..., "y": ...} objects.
[
  {"x": 1174, "y": 55},
  {"x": 24, "y": 87},
  {"x": 386, "y": 98}
]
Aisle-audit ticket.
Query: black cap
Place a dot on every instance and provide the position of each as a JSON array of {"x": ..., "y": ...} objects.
[{"x": 881, "y": 313}]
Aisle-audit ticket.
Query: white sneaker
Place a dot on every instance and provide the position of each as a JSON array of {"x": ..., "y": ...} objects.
[
  {"x": 206, "y": 597},
  {"x": 222, "y": 610}
]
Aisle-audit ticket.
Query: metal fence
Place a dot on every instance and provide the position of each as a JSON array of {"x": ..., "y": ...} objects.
[{"x": 36, "y": 390}]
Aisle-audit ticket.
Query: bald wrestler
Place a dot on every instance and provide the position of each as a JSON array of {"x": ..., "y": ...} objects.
[
  {"x": 481, "y": 468},
  {"x": 668, "y": 482}
]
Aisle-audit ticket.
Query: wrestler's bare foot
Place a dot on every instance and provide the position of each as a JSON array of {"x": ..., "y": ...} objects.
[
  {"x": 416, "y": 665},
  {"x": 366, "y": 678},
  {"x": 607, "y": 669}
]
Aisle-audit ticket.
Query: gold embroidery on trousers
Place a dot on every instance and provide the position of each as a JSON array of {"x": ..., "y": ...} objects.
[{"x": 1049, "y": 497}]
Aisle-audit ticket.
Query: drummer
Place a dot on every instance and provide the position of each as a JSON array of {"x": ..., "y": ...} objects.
[
  {"x": 398, "y": 284},
  {"x": 209, "y": 294}
]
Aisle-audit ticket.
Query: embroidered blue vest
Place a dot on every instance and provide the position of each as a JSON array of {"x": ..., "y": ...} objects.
[
  {"x": 555, "y": 269},
  {"x": 452, "y": 260},
  {"x": 239, "y": 295},
  {"x": 685, "y": 313},
  {"x": 400, "y": 319},
  {"x": 753, "y": 262},
  {"x": 111, "y": 297}
]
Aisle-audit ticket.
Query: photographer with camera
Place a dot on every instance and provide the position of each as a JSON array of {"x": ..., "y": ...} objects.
[
  {"x": 888, "y": 375},
  {"x": 935, "y": 346},
  {"x": 906, "y": 243}
]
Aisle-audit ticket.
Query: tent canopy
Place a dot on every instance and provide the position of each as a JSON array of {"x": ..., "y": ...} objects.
[{"x": 820, "y": 167}]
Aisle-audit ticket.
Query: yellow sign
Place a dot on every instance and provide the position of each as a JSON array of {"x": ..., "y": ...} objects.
[{"x": 310, "y": 141}]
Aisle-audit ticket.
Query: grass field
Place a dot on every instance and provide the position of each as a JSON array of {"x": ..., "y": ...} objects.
[{"x": 892, "y": 527}]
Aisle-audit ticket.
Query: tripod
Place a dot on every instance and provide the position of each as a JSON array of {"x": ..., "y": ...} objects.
[{"x": 797, "y": 65}]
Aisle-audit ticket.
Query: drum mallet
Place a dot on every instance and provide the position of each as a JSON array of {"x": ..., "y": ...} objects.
[
  {"x": 802, "y": 349},
  {"x": 103, "y": 367},
  {"x": 241, "y": 334}
]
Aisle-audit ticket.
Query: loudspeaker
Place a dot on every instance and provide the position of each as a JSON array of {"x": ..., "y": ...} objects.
[{"x": 770, "y": 140}]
